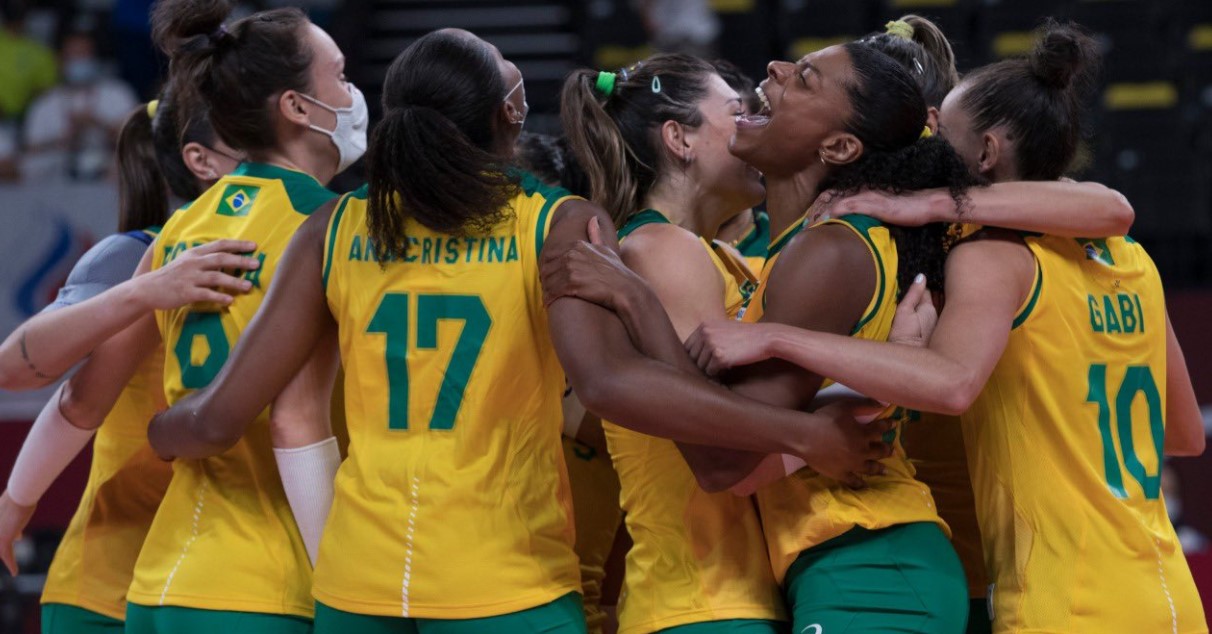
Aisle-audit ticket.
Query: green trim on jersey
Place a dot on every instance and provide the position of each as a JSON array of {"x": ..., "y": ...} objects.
[
  {"x": 329, "y": 245},
  {"x": 782, "y": 240},
  {"x": 531, "y": 186},
  {"x": 863, "y": 225},
  {"x": 756, "y": 243},
  {"x": 305, "y": 192},
  {"x": 1039, "y": 285},
  {"x": 641, "y": 218}
]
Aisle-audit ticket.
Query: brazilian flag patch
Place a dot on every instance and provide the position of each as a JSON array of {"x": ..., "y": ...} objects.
[
  {"x": 1097, "y": 250},
  {"x": 237, "y": 200}
]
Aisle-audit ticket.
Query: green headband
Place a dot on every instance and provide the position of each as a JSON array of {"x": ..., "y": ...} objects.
[{"x": 605, "y": 83}]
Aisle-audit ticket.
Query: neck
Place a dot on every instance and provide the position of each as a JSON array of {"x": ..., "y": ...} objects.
[
  {"x": 295, "y": 156},
  {"x": 689, "y": 206},
  {"x": 789, "y": 197}
]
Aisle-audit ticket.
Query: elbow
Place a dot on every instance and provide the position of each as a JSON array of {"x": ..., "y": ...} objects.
[
  {"x": 1122, "y": 213},
  {"x": 1192, "y": 447},
  {"x": 957, "y": 396},
  {"x": 598, "y": 393},
  {"x": 716, "y": 481},
  {"x": 78, "y": 410}
]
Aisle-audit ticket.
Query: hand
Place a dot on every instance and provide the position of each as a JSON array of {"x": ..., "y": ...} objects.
[
  {"x": 915, "y": 317},
  {"x": 844, "y": 449},
  {"x": 907, "y": 210},
  {"x": 198, "y": 276},
  {"x": 590, "y": 271},
  {"x": 723, "y": 344},
  {"x": 13, "y": 519}
]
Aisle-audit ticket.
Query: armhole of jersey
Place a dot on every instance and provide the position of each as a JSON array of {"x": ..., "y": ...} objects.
[
  {"x": 543, "y": 222},
  {"x": 330, "y": 237},
  {"x": 1033, "y": 297},
  {"x": 877, "y": 300}
]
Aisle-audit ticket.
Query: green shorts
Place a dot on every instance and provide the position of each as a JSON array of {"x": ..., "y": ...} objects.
[
  {"x": 562, "y": 616},
  {"x": 905, "y": 578},
  {"x": 170, "y": 619},
  {"x": 60, "y": 618},
  {"x": 978, "y": 617},
  {"x": 731, "y": 626}
]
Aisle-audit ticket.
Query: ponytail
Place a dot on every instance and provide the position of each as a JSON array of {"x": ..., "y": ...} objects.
[
  {"x": 432, "y": 156},
  {"x": 918, "y": 45},
  {"x": 612, "y": 122},
  {"x": 616, "y": 175},
  {"x": 233, "y": 70},
  {"x": 1041, "y": 99},
  {"x": 142, "y": 192},
  {"x": 420, "y": 164}
]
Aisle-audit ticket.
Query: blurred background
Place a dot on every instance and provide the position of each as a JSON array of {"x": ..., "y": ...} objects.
[{"x": 71, "y": 70}]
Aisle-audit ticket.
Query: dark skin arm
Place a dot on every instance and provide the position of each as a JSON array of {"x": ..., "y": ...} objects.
[
  {"x": 822, "y": 281},
  {"x": 657, "y": 397},
  {"x": 281, "y": 340}
]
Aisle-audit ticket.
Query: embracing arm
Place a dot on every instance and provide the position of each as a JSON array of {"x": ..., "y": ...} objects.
[
  {"x": 1061, "y": 208},
  {"x": 281, "y": 339},
  {"x": 1185, "y": 434},
  {"x": 47, "y": 345},
  {"x": 944, "y": 377},
  {"x": 619, "y": 383}
]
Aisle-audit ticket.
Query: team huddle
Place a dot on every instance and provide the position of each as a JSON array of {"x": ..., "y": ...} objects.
[{"x": 428, "y": 405}]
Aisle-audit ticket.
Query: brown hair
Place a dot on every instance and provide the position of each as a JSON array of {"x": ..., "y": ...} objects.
[
  {"x": 233, "y": 70},
  {"x": 616, "y": 137},
  {"x": 928, "y": 57},
  {"x": 142, "y": 192}
]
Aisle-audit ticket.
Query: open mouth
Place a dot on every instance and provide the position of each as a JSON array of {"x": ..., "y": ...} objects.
[{"x": 761, "y": 117}]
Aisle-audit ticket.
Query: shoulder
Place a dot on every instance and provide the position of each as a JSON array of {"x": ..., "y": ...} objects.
[
  {"x": 665, "y": 249},
  {"x": 991, "y": 259},
  {"x": 109, "y": 263},
  {"x": 829, "y": 247}
]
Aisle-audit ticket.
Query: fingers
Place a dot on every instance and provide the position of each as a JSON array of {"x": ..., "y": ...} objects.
[
  {"x": 595, "y": 231},
  {"x": 854, "y": 481},
  {"x": 217, "y": 261},
  {"x": 916, "y": 295},
  {"x": 225, "y": 245}
]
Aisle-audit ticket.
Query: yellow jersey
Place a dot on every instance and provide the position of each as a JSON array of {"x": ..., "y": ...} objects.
[
  {"x": 696, "y": 556},
  {"x": 756, "y": 242},
  {"x": 1065, "y": 444},
  {"x": 93, "y": 565},
  {"x": 454, "y": 502},
  {"x": 595, "y": 501},
  {"x": 935, "y": 446},
  {"x": 806, "y": 509},
  {"x": 224, "y": 537}
]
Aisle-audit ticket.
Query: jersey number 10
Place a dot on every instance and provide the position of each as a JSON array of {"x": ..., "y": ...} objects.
[
  {"x": 391, "y": 319},
  {"x": 1137, "y": 380}
]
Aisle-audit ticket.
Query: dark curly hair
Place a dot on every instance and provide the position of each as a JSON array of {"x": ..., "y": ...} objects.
[
  {"x": 889, "y": 115},
  {"x": 431, "y": 158},
  {"x": 551, "y": 160}
]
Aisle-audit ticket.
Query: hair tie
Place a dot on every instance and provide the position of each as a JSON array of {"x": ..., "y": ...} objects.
[
  {"x": 152, "y": 107},
  {"x": 900, "y": 28},
  {"x": 605, "y": 83},
  {"x": 926, "y": 133}
]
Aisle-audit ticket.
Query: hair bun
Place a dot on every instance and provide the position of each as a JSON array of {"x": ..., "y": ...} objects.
[{"x": 1063, "y": 56}]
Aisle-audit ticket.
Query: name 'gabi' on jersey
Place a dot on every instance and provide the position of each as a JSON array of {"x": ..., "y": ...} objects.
[{"x": 442, "y": 250}]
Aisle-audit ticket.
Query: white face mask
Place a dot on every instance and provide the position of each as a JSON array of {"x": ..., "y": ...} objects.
[
  {"x": 525, "y": 106},
  {"x": 349, "y": 135}
]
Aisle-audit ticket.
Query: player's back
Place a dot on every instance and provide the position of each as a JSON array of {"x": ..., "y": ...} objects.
[
  {"x": 454, "y": 501},
  {"x": 224, "y": 537},
  {"x": 1065, "y": 445}
]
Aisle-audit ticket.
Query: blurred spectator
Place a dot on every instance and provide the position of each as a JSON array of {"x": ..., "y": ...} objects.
[
  {"x": 27, "y": 68},
  {"x": 1193, "y": 541},
  {"x": 71, "y": 130},
  {"x": 681, "y": 26}
]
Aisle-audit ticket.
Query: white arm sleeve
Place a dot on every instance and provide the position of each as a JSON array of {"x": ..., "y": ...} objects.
[
  {"x": 307, "y": 476},
  {"x": 51, "y": 445}
]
